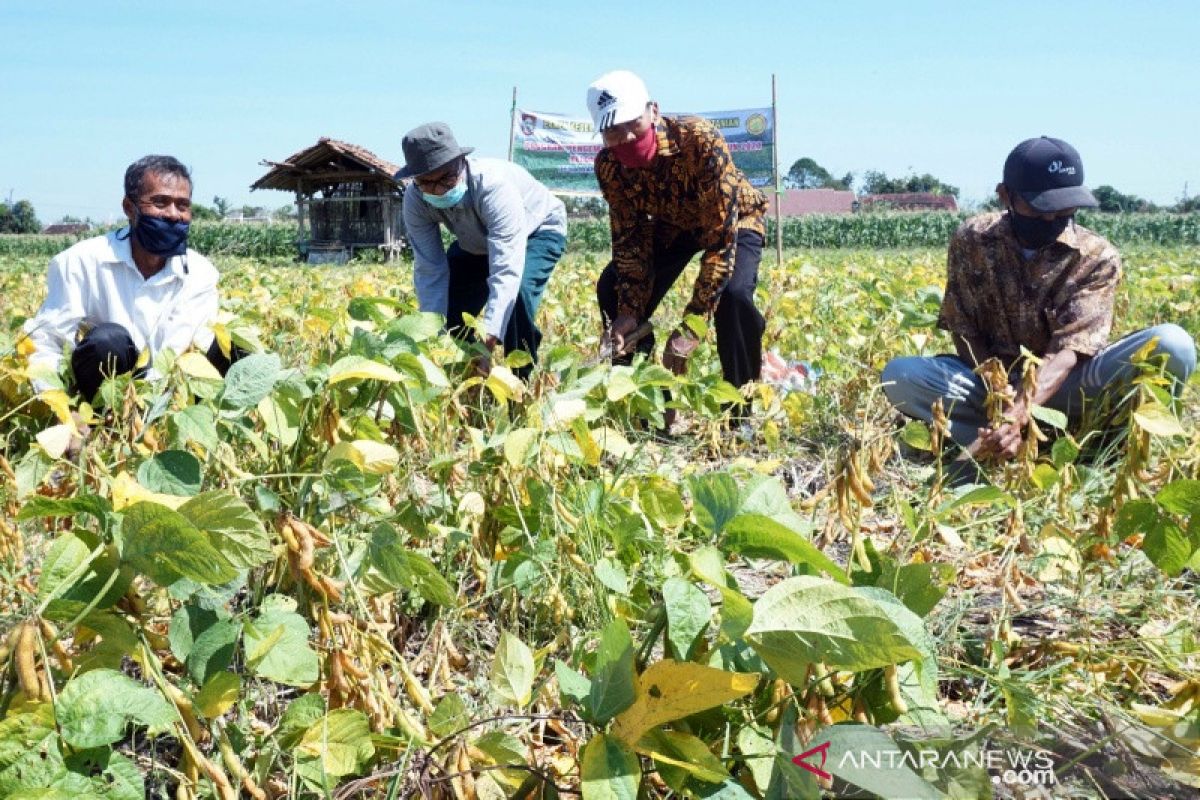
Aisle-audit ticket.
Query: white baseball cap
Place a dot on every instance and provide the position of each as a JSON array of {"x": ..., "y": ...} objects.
[{"x": 616, "y": 97}]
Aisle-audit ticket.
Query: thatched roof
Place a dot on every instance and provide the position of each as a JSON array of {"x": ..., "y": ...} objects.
[{"x": 326, "y": 163}]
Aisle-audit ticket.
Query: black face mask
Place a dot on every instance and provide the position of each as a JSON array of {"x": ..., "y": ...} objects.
[{"x": 1035, "y": 232}]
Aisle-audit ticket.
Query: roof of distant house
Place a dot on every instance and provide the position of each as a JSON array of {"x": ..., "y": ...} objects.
[
  {"x": 797, "y": 202},
  {"x": 913, "y": 201},
  {"x": 67, "y": 228},
  {"x": 328, "y": 159}
]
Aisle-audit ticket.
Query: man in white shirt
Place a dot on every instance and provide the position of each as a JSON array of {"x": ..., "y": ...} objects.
[
  {"x": 509, "y": 233},
  {"x": 136, "y": 289}
]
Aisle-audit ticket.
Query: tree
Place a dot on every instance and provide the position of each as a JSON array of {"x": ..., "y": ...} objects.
[
  {"x": 203, "y": 212},
  {"x": 877, "y": 182},
  {"x": 806, "y": 173},
  {"x": 221, "y": 205},
  {"x": 284, "y": 213},
  {"x": 1113, "y": 201},
  {"x": 21, "y": 218},
  {"x": 586, "y": 207}
]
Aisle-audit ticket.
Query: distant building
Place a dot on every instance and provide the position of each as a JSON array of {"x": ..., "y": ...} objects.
[
  {"x": 910, "y": 201},
  {"x": 67, "y": 228},
  {"x": 347, "y": 199},
  {"x": 798, "y": 202}
]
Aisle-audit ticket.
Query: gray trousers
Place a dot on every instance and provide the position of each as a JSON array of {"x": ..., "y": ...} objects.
[{"x": 913, "y": 383}]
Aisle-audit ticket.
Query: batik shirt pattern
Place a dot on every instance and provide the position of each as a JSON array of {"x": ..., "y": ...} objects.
[
  {"x": 1061, "y": 298},
  {"x": 691, "y": 187}
]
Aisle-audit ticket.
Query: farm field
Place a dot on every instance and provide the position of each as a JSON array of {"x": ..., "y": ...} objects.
[{"x": 351, "y": 569}]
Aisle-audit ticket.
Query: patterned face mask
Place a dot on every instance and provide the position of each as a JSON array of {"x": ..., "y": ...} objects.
[{"x": 1035, "y": 232}]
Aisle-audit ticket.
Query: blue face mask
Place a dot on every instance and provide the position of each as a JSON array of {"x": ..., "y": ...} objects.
[
  {"x": 161, "y": 237},
  {"x": 448, "y": 200}
]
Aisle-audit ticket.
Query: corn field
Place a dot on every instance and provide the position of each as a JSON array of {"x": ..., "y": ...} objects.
[{"x": 874, "y": 230}]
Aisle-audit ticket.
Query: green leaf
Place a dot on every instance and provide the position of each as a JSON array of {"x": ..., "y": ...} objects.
[
  {"x": 613, "y": 684},
  {"x": 916, "y": 435},
  {"x": 109, "y": 776},
  {"x": 449, "y": 716},
  {"x": 277, "y": 644},
  {"x": 609, "y": 770},
  {"x": 1180, "y": 497},
  {"x": 1049, "y": 416},
  {"x": 1167, "y": 547},
  {"x": 187, "y": 623},
  {"x": 766, "y": 496},
  {"x": 758, "y": 536},
  {"x": 66, "y": 556},
  {"x": 390, "y": 564},
  {"x": 251, "y": 379},
  {"x": 736, "y": 611},
  {"x": 1136, "y": 516},
  {"x": 175, "y": 472},
  {"x": 688, "y": 614},
  {"x": 37, "y": 507},
  {"x": 193, "y": 424},
  {"x": 574, "y": 687},
  {"x": 979, "y": 496},
  {"x": 918, "y": 586},
  {"x": 166, "y": 546},
  {"x": 758, "y": 747},
  {"x": 611, "y": 575},
  {"x": 807, "y": 619},
  {"x": 232, "y": 527},
  {"x": 1064, "y": 451},
  {"x": 94, "y": 708},
  {"x": 213, "y": 650},
  {"x": 338, "y": 744},
  {"x": 300, "y": 715},
  {"x": 881, "y": 775},
  {"x": 715, "y": 500},
  {"x": 661, "y": 503},
  {"x": 513, "y": 670},
  {"x": 1044, "y": 476}
]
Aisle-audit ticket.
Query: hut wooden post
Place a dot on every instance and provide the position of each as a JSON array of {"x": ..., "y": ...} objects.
[{"x": 388, "y": 235}]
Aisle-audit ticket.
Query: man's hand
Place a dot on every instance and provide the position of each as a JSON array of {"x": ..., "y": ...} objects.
[
  {"x": 482, "y": 364},
  {"x": 621, "y": 327},
  {"x": 76, "y": 444},
  {"x": 679, "y": 347},
  {"x": 1004, "y": 441}
]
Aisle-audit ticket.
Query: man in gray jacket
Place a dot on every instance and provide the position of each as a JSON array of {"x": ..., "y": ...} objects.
[{"x": 509, "y": 230}]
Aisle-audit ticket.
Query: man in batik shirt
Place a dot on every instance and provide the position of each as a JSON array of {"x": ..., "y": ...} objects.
[
  {"x": 673, "y": 192},
  {"x": 1030, "y": 277}
]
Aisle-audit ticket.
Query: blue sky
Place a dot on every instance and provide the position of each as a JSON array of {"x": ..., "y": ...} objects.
[{"x": 946, "y": 88}]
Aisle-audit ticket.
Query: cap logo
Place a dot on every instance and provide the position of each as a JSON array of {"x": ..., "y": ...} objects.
[
  {"x": 1057, "y": 166},
  {"x": 605, "y": 99}
]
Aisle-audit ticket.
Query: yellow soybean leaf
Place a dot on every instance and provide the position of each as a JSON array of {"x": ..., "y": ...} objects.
[
  {"x": 224, "y": 340},
  {"x": 197, "y": 365},
  {"x": 54, "y": 440},
  {"x": 219, "y": 694},
  {"x": 564, "y": 411},
  {"x": 670, "y": 690},
  {"x": 357, "y": 367},
  {"x": 1157, "y": 419},
  {"x": 60, "y": 404},
  {"x": 518, "y": 444},
  {"x": 126, "y": 491},
  {"x": 684, "y": 751},
  {"x": 503, "y": 384},
  {"x": 369, "y": 456}
]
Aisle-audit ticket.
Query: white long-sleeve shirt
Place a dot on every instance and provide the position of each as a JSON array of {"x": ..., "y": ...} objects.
[
  {"x": 503, "y": 207},
  {"x": 96, "y": 281}
]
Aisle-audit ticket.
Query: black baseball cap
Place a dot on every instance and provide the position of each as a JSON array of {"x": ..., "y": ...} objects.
[{"x": 1048, "y": 174}]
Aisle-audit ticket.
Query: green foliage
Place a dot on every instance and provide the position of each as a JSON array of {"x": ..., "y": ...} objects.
[{"x": 877, "y": 182}]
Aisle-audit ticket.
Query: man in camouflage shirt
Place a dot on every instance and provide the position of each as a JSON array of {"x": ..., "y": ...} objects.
[
  {"x": 1031, "y": 278},
  {"x": 673, "y": 191}
]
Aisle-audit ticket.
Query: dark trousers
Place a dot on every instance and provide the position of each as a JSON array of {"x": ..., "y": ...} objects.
[
  {"x": 739, "y": 324},
  {"x": 468, "y": 292},
  {"x": 108, "y": 350}
]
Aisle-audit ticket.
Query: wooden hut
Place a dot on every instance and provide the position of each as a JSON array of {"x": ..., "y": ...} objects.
[{"x": 347, "y": 199}]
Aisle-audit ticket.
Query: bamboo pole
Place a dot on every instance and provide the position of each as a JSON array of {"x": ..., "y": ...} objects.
[
  {"x": 512, "y": 124},
  {"x": 778, "y": 190}
]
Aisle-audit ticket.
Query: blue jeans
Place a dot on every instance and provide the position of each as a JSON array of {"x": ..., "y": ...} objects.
[
  {"x": 913, "y": 383},
  {"x": 469, "y": 275}
]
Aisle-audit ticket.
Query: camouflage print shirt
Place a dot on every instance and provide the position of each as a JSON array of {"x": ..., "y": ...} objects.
[
  {"x": 1059, "y": 299},
  {"x": 691, "y": 187}
]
